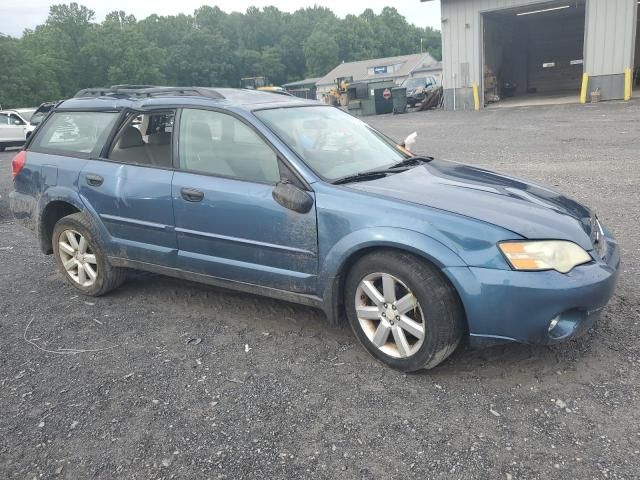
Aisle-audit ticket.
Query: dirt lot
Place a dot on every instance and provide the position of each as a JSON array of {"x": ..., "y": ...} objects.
[{"x": 176, "y": 395}]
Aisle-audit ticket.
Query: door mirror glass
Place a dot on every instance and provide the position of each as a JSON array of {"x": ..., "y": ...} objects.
[{"x": 292, "y": 197}]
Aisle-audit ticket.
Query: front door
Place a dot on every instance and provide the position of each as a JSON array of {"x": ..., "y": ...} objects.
[
  {"x": 227, "y": 223},
  {"x": 130, "y": 190},
  {"x": 12, "y": 128}
]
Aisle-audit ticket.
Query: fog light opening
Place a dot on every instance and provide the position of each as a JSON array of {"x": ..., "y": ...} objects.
[
  {"x": 554, "y": 323},
  {"x": 565, "y": 324}
]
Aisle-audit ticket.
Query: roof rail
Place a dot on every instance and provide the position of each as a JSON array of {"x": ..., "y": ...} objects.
[{"x": 147, "y": 91}]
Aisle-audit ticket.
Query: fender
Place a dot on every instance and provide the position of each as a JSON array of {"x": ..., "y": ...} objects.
[
  {"x": 340, "y": 254},
  {"x": 72, "y": 197}
]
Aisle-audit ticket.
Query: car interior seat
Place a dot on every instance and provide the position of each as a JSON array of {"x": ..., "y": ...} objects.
[
  {"x": 158, "y": 149},
  {"x": 130, "y": 147}
]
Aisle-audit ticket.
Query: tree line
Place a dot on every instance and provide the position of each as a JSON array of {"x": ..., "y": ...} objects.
[{"x": 71, "y": 51}]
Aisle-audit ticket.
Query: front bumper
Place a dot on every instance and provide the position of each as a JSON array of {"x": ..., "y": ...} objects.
[
  {"x": 507, "y": 306},
  {"x": 413, "y": 100}
]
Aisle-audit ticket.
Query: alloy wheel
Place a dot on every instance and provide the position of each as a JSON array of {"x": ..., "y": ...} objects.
[
  {"x": 78, "y": 258},
  {"x": 390, "y": 315}
]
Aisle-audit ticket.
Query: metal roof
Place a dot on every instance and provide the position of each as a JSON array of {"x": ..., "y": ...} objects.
[
  {"x": 301, "y": 83},
  {"x": 359, "y": 70}
]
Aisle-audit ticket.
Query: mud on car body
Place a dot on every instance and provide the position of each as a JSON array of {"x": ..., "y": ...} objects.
[{"x": 296, "y": 200}]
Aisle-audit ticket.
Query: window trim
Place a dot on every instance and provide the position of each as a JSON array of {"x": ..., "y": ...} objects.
[
  {"x": 280, "y": 157},
  {"x": 50, "y": 151}
]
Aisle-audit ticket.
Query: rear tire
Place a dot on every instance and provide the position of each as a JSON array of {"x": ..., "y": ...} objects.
[
  {"x": 403, "y": 310},
  {"x": 82, "y": 259}
]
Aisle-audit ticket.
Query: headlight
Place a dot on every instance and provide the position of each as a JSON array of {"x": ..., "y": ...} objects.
[{"x": 557, "y": 255}]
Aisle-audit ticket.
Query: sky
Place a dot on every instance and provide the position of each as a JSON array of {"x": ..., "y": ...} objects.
[{"x": 16, "y": 15}]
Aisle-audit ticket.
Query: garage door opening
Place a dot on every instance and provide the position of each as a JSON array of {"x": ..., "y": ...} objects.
[{"x": 534, "y": 55}]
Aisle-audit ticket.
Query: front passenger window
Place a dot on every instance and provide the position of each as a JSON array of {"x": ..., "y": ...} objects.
[
  {"x": 15, "y": 120},
  {"x": 220, "y": 144}
]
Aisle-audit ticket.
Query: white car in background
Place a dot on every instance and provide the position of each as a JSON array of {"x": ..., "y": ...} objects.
[{"x": 14, "y": 125}]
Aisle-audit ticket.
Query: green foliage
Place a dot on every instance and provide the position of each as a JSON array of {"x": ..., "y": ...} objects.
[{"x": 70, "y": 51}]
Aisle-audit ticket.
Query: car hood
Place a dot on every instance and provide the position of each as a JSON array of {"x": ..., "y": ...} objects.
[{"x": 532, "y": 211}]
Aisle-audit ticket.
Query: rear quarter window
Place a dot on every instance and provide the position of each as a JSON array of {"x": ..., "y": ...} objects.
[{"x": 75, "y": 133}]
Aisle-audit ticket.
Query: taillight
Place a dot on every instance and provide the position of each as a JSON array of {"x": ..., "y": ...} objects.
[{"x": 18, "y": 162}]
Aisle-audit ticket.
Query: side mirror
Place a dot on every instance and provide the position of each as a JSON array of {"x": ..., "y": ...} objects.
[
  {"x": 17, "y": 122},
  {"x": 410, "y": 140},
  {"x": 292, "y": 197}
]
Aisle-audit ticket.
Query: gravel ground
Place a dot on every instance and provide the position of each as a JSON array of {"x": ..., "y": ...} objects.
[{"x": 177, "y": 395}]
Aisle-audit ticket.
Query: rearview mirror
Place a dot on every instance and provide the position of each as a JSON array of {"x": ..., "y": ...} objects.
[{"x": 292, "y": 197}]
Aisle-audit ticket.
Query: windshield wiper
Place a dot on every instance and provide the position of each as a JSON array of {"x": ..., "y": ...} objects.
[
  {"x": 399, "y": 167},
  {"x": 411, "y": 161},
  {"x": 361, "y": 177},
  {"x": 370, "y": 175}
]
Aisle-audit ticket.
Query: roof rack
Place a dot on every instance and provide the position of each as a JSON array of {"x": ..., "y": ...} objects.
[{"x": 148, "y": 91}]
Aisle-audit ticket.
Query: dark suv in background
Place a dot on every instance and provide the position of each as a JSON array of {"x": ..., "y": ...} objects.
[{"x": 418, "y": 88}]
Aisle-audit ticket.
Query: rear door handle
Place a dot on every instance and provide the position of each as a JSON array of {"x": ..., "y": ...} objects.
[
  {"x": 191, "y": 194},
  {"x": 94, "y": 180}
]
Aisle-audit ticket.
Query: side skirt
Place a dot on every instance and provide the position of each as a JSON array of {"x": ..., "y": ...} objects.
[{"x": 300, "y": 298}]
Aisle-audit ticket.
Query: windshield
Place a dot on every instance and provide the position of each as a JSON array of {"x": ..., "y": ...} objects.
[
  {"x": 26, "y": 113},
  {"x": 40, "y": 113},
  {"x": 415, "y": 82},
  {"x": 331, "y": 142}
]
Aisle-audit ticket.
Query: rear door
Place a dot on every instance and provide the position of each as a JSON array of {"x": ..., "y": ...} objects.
[
  {"x": 130, "y": 189},
  {"x": 228, "y": 225}
]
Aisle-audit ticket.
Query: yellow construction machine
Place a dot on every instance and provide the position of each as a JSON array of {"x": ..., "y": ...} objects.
[
  {"x": 260, "y": 83},
  {"x": 338, "y": 95}
]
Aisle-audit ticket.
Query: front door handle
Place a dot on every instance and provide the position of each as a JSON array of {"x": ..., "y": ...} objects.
[
  {"x": 191, "y": 194},
  {"x": 94, "y": 180}
]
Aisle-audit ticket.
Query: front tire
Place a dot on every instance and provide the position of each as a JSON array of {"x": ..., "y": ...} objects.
[
  {"x": 81, "y": 258},
  {"x": 403, "y": 310}
]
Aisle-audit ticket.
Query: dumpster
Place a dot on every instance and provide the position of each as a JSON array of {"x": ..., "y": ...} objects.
[
  {"x": 399, "y": 96},
  {"x": 383, "y": 101}
]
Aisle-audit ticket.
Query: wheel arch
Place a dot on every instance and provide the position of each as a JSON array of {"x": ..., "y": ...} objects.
[
  {"x": 51, "y": 213},
  {"x": 416, "y": 244}
]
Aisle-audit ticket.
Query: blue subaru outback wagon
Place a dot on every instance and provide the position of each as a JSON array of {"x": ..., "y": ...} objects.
[{"x": 300, "y": 201}]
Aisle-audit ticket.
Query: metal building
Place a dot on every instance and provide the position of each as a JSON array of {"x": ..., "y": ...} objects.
[
  {"x": 395, "y": 69},
  {"x": 562, "y": 49}
]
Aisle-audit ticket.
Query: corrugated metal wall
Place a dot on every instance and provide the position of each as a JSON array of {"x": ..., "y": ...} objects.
[{"x": 610, "y": 31}]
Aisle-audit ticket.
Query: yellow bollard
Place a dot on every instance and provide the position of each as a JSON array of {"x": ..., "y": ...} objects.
[
  {"x": 585, "y": 86},
  {"x": 476, "y": 97},
  {"x": 627, "y": 84}
]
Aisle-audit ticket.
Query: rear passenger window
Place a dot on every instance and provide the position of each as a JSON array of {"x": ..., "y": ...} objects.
[
  {"x": 74, "y": 132},
  {"x": 220, "y": 144},
  {"x": 145, "y": 140}
]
